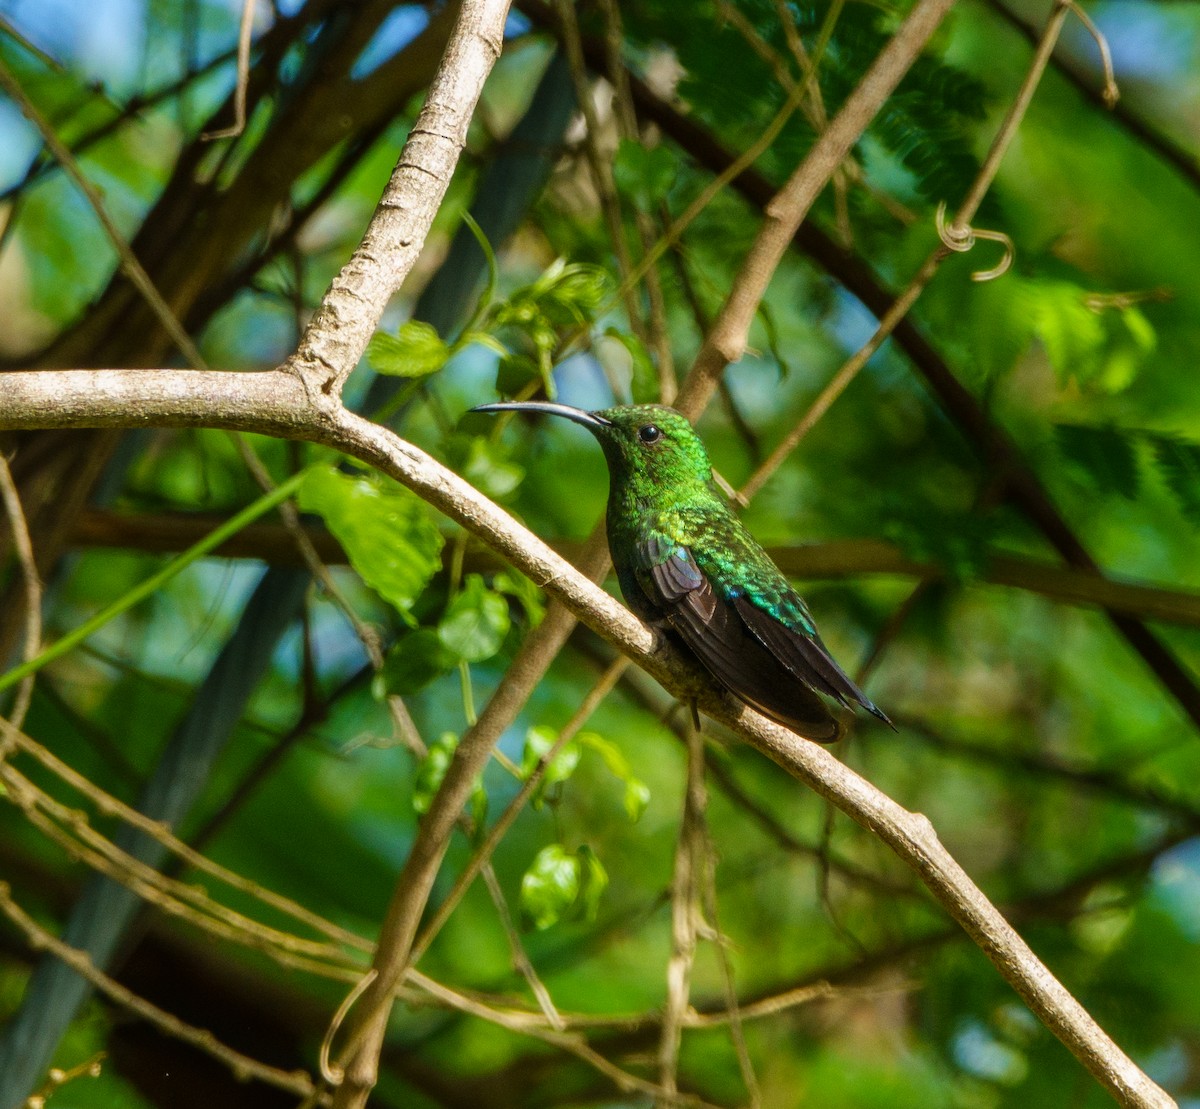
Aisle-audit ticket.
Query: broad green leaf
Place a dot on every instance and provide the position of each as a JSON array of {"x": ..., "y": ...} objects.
[
  {"x": 524, "y": 591},
  {"x": 386, "y": 531},
  {"x": 1106, "y": 454},
  {"x": 432, "y": 771},
  {"x": 632, "y": 364},
  {"x": 644, "y": 174},
  {"x": 416, "y": 350},
  {"x": 488, "y": 467},
  {"x": 549, "y": 887},
  {"x": 514, "y": 372},
  {"x": 476, "y": 622},
  {"x": 415, "y": 661}
]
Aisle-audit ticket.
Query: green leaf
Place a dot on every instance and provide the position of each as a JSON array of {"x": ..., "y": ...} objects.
[
  {"x": 524, "y": 591},
  {"x": 549, "y": 887},
  {"x": 432, "y": 771},
  {"x": 593, "y": 881},
  {"x": 632, "y": 364},
  {"x": 386, "y": 531},
  {"x": 414, "y": 662},
  {"x": 488, "y": 467},
  {"x": 538, "y": 741},
  {"x": 637, "y": 797},
  {"x": 416, "y": 350},
  {"x": 1106, "y": 454},
  {"x": 514, "y": 372},
  {"x": 644, "y": 174},
  {"x": 484, "y": 339},
  {"x": 476, "y": 622},
  {"x": 479, "y": 811},
  {"x": 559, "y": 884},
  {"x": 1179, "y": 462},
  {"x": 1104, "y": 348},
  {"x": 637, "y": 793}
]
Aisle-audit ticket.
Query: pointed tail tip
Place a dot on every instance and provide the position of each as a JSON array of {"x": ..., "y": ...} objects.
[{"x": 879, "y": 714}]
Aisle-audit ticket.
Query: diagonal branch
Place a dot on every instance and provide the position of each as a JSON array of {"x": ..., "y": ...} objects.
[
  {"x": 350, "y": 311},
  {"x": 252, "y": 402},
  {"x": 785, "y": 211},
  {"x": 991, "y": 442}
]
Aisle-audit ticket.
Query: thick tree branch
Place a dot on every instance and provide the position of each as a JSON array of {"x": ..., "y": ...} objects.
[
  {"x": 259, "y": 402},
  {"x": 339, "y": 330}
]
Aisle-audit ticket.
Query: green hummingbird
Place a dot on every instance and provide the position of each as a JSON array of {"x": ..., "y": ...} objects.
[{"x": 687, "y": 565}]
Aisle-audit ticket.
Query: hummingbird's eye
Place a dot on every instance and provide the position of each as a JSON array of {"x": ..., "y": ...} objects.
[{"x": 651, "y": 433}]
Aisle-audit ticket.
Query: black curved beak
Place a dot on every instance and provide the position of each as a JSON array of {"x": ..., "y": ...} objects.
[{"x": 576, "y": 415}]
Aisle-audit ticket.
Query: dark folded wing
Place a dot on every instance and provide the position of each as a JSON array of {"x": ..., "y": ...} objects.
[
  {"x": 715, "y": 632},
  {"x": 804, "y": 655}
]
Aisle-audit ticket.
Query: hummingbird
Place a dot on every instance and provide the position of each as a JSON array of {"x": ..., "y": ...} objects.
[{"x": 687, "y": 565}]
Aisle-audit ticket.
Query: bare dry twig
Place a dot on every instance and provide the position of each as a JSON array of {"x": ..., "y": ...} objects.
[
  {"x": 294, "y": 1082},
  {"x": 23, "y": 546}
]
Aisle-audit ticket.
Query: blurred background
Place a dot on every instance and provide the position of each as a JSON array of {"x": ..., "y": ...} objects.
[{"x": 945, "y": 518}]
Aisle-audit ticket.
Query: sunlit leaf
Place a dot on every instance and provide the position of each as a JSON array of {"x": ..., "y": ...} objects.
[
  {"x": 538, "y": 742},
  {"x": 386, "y": 531},
  {"x": 432, "y": 770},
  {"x": 476, "y": 622},
  {"x": 417, "y": 350},
  {"x": 549, "y": 887},
  {"x": 489, "y": 468},
  {"x": 637, "y": 793}
]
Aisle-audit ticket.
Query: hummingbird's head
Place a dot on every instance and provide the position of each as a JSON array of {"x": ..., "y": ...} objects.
[{"x": 646, "y": 445}]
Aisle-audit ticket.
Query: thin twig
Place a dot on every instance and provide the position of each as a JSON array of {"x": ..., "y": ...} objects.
[
  {"x": 290, "y": 515},
  {"x": 528, "y": 787},
  {"x": 129, "y": 264},
  {"x": 245, "y": 35},
  {"x": 726, "y": 342},
  {"x": 656, "y": 324},
  {"x": 516, "y": 948},
  {"x": 112, "y": 806},
  {"x": 23, "y": 547},
  {"x": 733, "y": 1011},
  {"x": 689, "y": 853},
  {"x": 243, "y": 1067},
  {"x": 600, "y": 166},
  {"x": 959, "y": 230}
]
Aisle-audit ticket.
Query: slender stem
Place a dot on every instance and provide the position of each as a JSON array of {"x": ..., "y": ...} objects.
[
  {"x": 153, "y": 583},
  {"x": 33, "y": 591}
]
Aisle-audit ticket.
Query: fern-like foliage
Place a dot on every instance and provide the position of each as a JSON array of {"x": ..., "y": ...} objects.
[
  {"x": 1113, "y": 459},
  {"x": 926, "y": 124},
  {"x": 1179, "y": 463},
  {"x": 1107, "y": 455}
]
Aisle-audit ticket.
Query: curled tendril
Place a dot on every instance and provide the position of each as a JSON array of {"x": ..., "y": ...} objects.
[
  {"x": 962, "y": 237},
  {"x": 330, "y": 1071}
]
